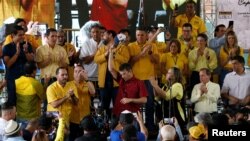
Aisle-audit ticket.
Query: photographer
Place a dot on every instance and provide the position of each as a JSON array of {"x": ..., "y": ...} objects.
[
  {"x": 127, "y": 118},
  {"x": 166, "y": 130}
]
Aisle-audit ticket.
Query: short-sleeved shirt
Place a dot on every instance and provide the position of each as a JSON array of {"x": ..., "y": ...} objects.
[
  {"x": 132, "y": 88},
  {"x": 179, "y": 60},
  {"x": 196, "y": 22},
  {"x": 83, "y": 107},
  {"x": 55, "y": 92},
  {"x": 237, "y": 85},
  {"x": 43, "y": 52},
  {"x": 143, "y": 69},
  {"x": 17, "y": 68}
]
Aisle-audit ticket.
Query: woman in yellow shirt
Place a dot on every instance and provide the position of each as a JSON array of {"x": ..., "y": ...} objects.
[
  {"x": 174, "y": 58},
  {"x": 228, "y": 51}
]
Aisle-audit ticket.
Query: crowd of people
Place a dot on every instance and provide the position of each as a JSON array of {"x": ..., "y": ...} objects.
[{"x": 177, "y": 83}]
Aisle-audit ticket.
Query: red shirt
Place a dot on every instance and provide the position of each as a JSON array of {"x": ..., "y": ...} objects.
[
  {"x": 112, "y": 17},
  {"x": 132, "y": 88}
]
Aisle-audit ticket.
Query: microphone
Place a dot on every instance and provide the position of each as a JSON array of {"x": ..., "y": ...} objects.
[{"x": 170, "y": 81}]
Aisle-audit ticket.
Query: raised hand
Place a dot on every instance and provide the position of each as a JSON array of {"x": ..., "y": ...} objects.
[
  {"x": 71, "y": 52},
  {"x": 25, "y": 47}
]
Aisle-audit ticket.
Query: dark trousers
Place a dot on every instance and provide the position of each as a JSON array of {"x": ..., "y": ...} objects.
[
  {"x": 194, "y": 79},
  {"x": 150, "y": 106},
  {"x": 107, "y": 94},
  {"x": 11, "y": 90}
]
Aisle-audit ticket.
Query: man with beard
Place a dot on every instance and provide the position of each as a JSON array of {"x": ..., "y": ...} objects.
[{"x": 62, "y": 95}]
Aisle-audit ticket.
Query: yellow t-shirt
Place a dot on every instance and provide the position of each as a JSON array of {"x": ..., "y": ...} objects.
[
  {"x": 143, "y": 69},
  {"x": 196, "y": 22}
]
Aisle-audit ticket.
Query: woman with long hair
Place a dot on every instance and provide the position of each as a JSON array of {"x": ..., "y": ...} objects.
[
  {"x": 227, "y": 52},
  {"x": 172, "y": 95}
]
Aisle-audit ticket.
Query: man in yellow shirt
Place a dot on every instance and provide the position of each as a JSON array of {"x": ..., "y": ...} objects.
[
  {"x": 189, "y": 17},
  {"x": 144, "y": 57},
  {"x": 71, "y": 51},
  {"x": 85, "y": 90},
  {"x": 62, "y": 95},
  {"x": 187, "y": 41}
]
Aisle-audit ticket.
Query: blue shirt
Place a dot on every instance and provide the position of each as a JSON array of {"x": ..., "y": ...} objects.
[
  {"x": 116, "y": 135},
  {"x": 216, "y": 44}
]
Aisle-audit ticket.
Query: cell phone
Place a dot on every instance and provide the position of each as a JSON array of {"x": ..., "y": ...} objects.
[
  {"x": 40, "y": 29},
  {"x": 231, "y": 23},
  {"x": 167, "y": 121}
]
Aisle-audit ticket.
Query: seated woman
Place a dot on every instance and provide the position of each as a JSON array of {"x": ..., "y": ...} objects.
[{"x": 172, "y": 94}]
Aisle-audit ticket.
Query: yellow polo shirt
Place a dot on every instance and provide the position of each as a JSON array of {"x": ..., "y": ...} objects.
[
  {"x": 55, "y": 92},
  {"x": 196, "y": 22},
  {"x": 143, "y": 69}
]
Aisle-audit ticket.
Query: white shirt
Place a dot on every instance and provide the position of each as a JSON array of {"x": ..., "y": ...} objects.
[
  {"x": 206, "y": 102},
  {"x": 237, "y": 85},
  {"x": 3, "y": 124},
  {"x": 89, "y": 47}
]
